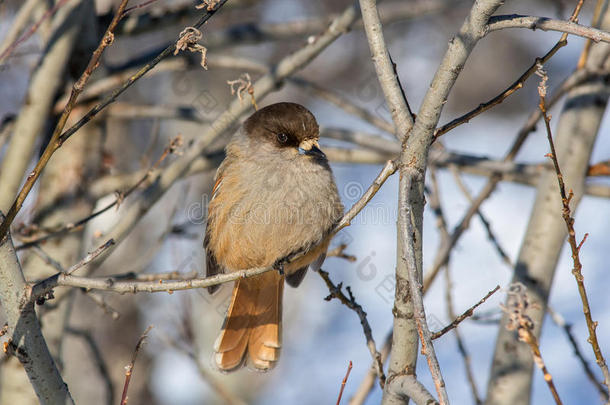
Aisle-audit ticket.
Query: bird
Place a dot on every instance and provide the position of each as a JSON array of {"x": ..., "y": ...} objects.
[{"x": 275, "y": 204}]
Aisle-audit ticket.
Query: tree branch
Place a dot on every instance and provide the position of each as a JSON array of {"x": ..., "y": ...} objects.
[
  {"x": 500, "y": 22},
  {"x": 566, "y": 197},
  {"x": 407, "y": 387},
  {"x": 397, "y": 104},
  {"x": 415, "y": 287},
  {"x": 25, "y": 337},
  {"x": 350, "y": 302}
]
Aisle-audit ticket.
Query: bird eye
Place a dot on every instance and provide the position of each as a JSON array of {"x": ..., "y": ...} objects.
[{"x": 282, "y": 137}]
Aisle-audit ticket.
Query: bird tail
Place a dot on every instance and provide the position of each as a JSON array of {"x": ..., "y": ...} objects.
[{"x": 252, "y": 330}]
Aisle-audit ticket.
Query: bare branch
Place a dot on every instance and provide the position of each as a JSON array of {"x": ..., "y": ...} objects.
[
  {"x": 349, "y": 368},
  {"x": 415, "y": 288},
  {"x": 25, "y": 337},
  {"x": 500, "y": 22},
  {"x": 350, "y": 302},
  {"x": 464, "y": 315},
  {"x": 397, "y": 103},
  {"x": 407, "y": 387},
  {"x": 132, "y": 363},
  {"x": 413, "y": 162},
  {"x": 574, "y": 245}
]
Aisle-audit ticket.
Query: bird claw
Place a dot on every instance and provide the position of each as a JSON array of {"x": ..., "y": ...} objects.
[{"x": 280, "y": 267}]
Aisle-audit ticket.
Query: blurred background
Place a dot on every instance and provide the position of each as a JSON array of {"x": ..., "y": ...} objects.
[{"x": 98, "y": 331}]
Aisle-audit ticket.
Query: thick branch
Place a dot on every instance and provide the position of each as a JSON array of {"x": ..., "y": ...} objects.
[
  {"x": 25, "y": 337},
  {"x": 392, "y": 91},
  {"x": 407, "y": 387},
  {"x": 415, "y": 287},
  {"x": 413, "y": 161}
]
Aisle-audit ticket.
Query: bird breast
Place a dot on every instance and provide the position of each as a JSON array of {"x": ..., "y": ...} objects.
[{"x": 268, "y": 208}]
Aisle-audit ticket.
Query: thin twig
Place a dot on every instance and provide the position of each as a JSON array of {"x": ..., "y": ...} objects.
[
  {"x": 47, "y": 259},
  {"x": 43, "y": 290},
  {"x": 464, "y": 315},
  {"x": 339, "y": 252},
  {"x": 516, "y": 85},
  {"x": 574, "y": 245},
  {"x": 349, "y": 369},
  {"x": 141, "y": 5},
  {"x": 130, "y": 366},
  {"x": 90, "y": 256},
  {"x": 350, "y": 302},
  {"x": 387, "y": 171}
]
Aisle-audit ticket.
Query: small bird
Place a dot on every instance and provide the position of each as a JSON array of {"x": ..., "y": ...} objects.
[{"x": 274, "y": 204}]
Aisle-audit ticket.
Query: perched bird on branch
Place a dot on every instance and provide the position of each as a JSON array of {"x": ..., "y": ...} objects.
[{"x": 274, "y": 203}]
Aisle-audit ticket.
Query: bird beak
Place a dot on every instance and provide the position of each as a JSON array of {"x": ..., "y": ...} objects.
[{"x": 310, "y": 147}]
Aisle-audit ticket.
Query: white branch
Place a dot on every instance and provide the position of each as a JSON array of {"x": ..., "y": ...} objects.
[{"x": 25, "y": 337}]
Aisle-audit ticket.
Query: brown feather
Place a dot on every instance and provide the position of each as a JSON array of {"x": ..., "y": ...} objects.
[{"x": 253, "y": 324}]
